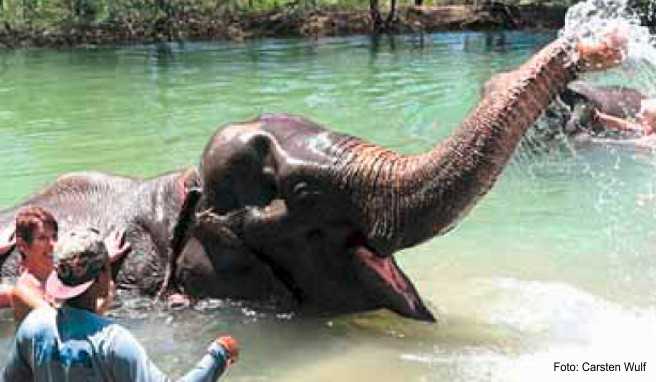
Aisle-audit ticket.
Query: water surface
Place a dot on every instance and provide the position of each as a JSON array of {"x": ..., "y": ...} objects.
[{"x": 556, "y": 263}]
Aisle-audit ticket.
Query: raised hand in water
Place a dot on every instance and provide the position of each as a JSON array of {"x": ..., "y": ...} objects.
[
  {"x": 117, "y": 245},
  {"x": 7, "y": 239}
]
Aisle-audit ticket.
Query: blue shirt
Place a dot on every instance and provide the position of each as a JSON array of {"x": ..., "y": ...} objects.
[{"x": 69, "y": 344}]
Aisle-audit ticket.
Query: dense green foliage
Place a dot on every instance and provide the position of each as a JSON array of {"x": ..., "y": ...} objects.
[
  {"x": 54, "y": 12},
  {"x": 75, "y": 22}
]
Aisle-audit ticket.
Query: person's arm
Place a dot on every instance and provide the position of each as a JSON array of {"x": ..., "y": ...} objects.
[
  {"x": 7, "y": 239},
  {"x": 24, "y": 299},
  {"x": 129, "y": 362},
  {"x": 17, "y": 368},
  {"x": 6, "y": 292},
  {"x": 615, "y": 123}
]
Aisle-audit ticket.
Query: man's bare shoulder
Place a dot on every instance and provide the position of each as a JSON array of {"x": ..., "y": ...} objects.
[{"x": 27, "y": 279}]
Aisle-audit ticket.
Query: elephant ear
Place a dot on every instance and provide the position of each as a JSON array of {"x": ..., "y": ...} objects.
[
  {"x": 186, "y": 219},
  {"x": 192, "y": 191},
  {"x": 180, "y": 236}
]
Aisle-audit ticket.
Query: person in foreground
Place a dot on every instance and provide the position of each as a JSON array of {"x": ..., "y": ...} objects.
[
  {"x": 35, "y": 234},
  {"x": 74, "y": 343}
]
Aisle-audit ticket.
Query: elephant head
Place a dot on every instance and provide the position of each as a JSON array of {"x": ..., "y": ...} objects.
[
  {"x": 618, "y": 101},
  {"x": 319, "y": 215}
]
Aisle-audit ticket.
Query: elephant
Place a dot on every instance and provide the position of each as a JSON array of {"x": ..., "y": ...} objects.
[
  {"x": 283, "y": 211},
  {"x": 584, "y": 100},
  {"x": 572, "y": 114}
]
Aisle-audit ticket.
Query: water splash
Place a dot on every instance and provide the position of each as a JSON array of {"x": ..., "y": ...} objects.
[
  {"x": 591, "y": 21},
  {"x": 588, "y": 17}
]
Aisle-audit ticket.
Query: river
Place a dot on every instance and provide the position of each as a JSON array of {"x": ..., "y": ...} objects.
[{"x": 554, "y": 264}]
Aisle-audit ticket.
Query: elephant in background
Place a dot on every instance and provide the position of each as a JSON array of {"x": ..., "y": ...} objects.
[
  {"x": 585, "y": 100},
  {"x": 573, "y": 113}
]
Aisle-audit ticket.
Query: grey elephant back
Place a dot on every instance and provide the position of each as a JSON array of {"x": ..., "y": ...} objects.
[
  {"x": 619, "y": 101},
  {"x": 77, "y": 200}
]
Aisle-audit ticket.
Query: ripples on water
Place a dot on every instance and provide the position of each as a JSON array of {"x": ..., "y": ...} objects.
[{"x": 556, "y": 263}]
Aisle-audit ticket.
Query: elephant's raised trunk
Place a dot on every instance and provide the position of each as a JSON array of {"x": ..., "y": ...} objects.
[{"x": 405, "y": 200}]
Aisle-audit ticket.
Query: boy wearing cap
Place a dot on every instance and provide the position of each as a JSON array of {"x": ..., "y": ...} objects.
[
  {"x": 74, "y": 343},
  {"x": 35, "y": 236}
]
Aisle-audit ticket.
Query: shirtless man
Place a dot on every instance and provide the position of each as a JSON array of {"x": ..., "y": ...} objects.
[{"x": 35, "y": 236}]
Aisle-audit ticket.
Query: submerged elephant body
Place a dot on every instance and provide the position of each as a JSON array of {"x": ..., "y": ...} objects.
[{"x": 281, "y": 209}]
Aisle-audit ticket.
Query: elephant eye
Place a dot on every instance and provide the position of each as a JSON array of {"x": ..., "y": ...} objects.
[{"x": 304, "y": 192}]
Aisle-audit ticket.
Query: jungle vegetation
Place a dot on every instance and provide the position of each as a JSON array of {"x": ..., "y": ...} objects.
[{"x": 134, "y": 20}]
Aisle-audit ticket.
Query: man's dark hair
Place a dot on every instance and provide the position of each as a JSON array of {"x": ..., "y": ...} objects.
[{"x": 29, "y": 218}]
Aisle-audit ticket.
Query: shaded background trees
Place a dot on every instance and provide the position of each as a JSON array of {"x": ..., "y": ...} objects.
[
  {"x": 164, "y": 19},
  {"x": 26, "y": 11}
]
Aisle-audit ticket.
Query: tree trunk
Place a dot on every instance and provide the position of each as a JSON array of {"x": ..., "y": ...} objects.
[
  {"x": 391, "y": 17},
  {"x": 28, "y": 9},
  {"x": 380, "y": 25},
  {"x": 376, "y": 19},
  {"x": 163, "y": 27}
]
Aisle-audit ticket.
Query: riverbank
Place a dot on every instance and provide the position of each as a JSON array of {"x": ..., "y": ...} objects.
[{"x": 314, "y": 23}]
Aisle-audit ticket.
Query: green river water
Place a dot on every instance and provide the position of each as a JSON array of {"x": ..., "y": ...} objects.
[{"x": 555, "y": 264}]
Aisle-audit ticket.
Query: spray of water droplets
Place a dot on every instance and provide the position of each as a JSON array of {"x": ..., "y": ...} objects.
[{"x": 592, "y": 20}]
